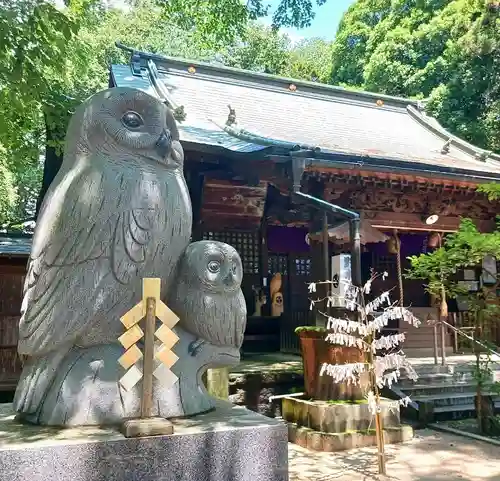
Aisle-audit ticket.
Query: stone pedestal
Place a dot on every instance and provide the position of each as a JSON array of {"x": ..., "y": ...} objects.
[
  {"x": 326, "y": 426},
  {"x": 228, "y": 444}
]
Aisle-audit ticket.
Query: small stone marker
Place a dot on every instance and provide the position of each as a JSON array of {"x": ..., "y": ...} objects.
[{"x": 150, "y": 308}]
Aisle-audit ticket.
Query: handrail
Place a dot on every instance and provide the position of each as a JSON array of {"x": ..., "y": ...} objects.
[{"x": 459, "y": 331}]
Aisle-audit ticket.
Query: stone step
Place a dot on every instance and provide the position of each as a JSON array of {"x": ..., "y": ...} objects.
[
  {"x": 459, "y": 407},
  {"x": 425, "y": 369},
  {"x": 435, "y": 398},
  {"x": 422, "y": 351},
  {"x": 451, "y": 389},
  {"x": 436, "y": 378}
]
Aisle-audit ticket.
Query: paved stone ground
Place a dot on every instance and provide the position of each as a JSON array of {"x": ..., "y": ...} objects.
[{"x": 430, "y": 456}]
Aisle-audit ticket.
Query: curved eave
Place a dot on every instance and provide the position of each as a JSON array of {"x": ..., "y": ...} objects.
[
  {"x": 323, "y": 160},
  {"x": 436, "y": 128},
  {"x": 235, "y": 141},
  {"x": 405, "y": 169}
]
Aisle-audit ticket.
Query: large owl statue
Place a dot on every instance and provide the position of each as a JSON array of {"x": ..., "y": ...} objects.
[
  {"x": 208, "y": 297},
  {"x": 117, "y": 211}
]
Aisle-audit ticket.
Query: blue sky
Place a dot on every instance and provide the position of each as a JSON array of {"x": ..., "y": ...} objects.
[{"x": 324, "y": 24}]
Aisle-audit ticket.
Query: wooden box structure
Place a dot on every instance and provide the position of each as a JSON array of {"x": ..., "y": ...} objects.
[
  {"x": 14, "y": 252},
  {"x": 378, "y": 155}
]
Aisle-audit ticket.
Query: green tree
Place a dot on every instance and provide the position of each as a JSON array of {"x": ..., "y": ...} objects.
[
  {"x": 51, "y": 59},
  {"x": 309, "y": 60},
  {"x": 466, "y": 249},
  {"x": 443, "y": 50},
  {"x": 262, "y": 49}
]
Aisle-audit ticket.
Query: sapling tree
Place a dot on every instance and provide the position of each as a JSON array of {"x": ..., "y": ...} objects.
[
  {"x": 383, "y": 357},
  {"x": 466, "y": 249}
]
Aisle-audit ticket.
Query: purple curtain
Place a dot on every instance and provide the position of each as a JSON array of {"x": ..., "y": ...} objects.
[{"x": 287, "y": 239}]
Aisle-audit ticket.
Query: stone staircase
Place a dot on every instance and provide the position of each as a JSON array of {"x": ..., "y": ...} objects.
[{"x": 450, "y": 389}]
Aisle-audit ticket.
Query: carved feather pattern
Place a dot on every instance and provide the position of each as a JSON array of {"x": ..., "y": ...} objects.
[{"x": 89, "y": 260}]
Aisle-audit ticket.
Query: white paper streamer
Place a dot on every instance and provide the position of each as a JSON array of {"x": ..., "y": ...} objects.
[
  {"x": 347, "y": 340},
  {"x": 376, "y": 303},
  {"x": 374, "y": 407},
  {"x": 388, "y": 342},
  {"x": 395, "y": 362},
  {"x": 347, "y": 326},
  {"x": 343, "y": 372},
  {"x": 377, "y": 324},
  {"x": 408, "y": 317}
]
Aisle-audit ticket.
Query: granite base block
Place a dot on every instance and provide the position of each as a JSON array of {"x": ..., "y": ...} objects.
[
  {"x": 331, "y": 442},
  {"x": 228, "y": 444}
]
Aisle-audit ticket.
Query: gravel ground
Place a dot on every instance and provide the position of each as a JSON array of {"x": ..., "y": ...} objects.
[{"x": 430, "y": 456}]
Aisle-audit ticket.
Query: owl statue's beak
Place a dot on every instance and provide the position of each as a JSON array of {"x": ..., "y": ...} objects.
[
  {"x": 229, "y": 280},
  {"x": 164, "y": 144}
]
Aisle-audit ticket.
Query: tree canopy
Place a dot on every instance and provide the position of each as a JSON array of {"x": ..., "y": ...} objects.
[
  {"x": 51, "y": 58},
  {"x": 445, "y": 50}
]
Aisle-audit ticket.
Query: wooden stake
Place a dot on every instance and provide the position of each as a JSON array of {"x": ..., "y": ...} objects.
[
  {"x": 380, "y": 437},
  {"x": 149, "y": 308},
  {"x": 149, "y": 348}
]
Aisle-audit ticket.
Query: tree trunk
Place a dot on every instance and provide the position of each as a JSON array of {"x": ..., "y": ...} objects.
[
  {"x": 485, "y": 405},
  {"x": 52, "y": 164},
  {"x": 479, "y": 374}
]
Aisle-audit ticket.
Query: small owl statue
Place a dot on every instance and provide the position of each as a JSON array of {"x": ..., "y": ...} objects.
[{"x": 208, "y": 297}]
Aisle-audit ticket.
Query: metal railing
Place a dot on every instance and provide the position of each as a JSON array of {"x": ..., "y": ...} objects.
[{"x": 457, "y": 332}]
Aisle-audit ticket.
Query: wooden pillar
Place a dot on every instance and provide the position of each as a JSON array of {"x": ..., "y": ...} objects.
[
  {"x": 318, "y": 267},
  {"x": 264, "y": 256},
  {"x": 325, "y": 246},
  {"x": 196, "y": 188}
]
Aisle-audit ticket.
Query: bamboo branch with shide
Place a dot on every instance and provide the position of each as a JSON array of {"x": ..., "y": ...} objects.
[{"x": 383, "y": 357}]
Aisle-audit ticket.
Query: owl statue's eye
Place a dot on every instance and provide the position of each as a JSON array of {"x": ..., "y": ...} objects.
[
  {"x": 234, "y": 267},
  {"x": 132, "y": 120},
  {"x": 214, "y": 267}
]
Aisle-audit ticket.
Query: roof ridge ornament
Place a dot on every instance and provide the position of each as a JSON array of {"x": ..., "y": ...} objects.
[
  {"x": 178, "y": 111},
  {"x": 446, "y": 147},
  {"x": 483, "y": 155},
  {"x": 421, "y": 105},
  {"x": 231, "y": 117}
]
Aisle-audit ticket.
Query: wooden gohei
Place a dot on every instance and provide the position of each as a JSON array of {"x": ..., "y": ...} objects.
[{"x": 140, "y": 322}]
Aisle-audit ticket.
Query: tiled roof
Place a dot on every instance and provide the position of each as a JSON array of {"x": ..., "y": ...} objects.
[
  {"x": 193, "y": 129},
  {"x": 338, "y": 121},
  {"x": 15, "y": 246}
]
